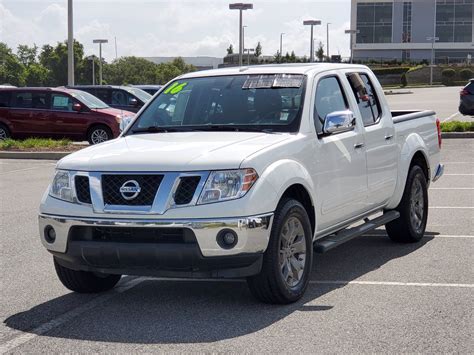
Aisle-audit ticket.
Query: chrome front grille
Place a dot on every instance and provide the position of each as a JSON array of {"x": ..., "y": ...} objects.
[
  {"x": 111, "y": 185},
  {"x": 159, "y": 192}
]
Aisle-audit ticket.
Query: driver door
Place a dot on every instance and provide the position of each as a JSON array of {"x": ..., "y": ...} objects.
[{"x": 339, "y": 170}]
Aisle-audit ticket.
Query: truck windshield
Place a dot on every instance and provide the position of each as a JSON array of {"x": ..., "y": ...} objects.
[{"x": 238, "y": 102}]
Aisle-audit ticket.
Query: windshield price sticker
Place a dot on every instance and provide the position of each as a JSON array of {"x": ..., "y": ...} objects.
[
  {"x": 175, "y": 88},
  {"x": 275, "y": 81}
]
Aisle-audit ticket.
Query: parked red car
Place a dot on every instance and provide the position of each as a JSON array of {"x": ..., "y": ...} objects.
[{"x": 57, "y": 113}]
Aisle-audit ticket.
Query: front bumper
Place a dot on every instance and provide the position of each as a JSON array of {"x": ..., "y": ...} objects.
[{"x": 204, "y": 258}]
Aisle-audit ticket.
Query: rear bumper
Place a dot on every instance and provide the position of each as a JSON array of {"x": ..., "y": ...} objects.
[{"x": 121, "y": 246}]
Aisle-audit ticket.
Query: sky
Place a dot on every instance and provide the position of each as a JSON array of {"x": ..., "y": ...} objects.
[{"x": 155, "y": 28}]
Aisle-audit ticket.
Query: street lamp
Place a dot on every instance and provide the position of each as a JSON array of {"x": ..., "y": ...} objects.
[
  {"x": 281, "y": 45},
  {"x": 327, "y": 41},
  {"x": 92, "y": 58},
  {"x": 243, "y": 36},
  {"x": 433, "y": 40},
  {"x": 352, "y": 32},
  {"x": 100, "y": 41},
  {"x": 249, "y": 50},
  {"x": 312, "y": 23},
  {"x": 241, "y": 7},
  {"x": 70, "y": 45}
]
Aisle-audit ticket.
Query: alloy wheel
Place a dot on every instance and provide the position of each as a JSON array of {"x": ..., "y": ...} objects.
[{"x": 292, "y": 252}]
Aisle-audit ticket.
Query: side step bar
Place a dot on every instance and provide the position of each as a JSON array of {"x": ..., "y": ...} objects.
[{"x": 331, "y": 241}]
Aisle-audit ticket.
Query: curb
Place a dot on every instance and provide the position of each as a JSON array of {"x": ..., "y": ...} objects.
[
  {"x": 33, "y": 155},
  {"x": 448, "y": 135}
]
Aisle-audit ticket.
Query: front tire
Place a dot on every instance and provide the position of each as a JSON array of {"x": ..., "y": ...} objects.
[
  {"x": 84, "y": 281},
  {"x": 99, "y": 134},
  {"x": 413, "y": 208},
  {"x": 288, "y": 259}
]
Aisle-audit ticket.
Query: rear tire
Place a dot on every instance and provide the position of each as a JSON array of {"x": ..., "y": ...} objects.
[
  {"x": 413, "y": 208},
  {"x": 99, "y": 134},
  {"x": 4, "y": 132},
  {"x": 288, "y": 259},
  {"x": 84, "y": 281}
]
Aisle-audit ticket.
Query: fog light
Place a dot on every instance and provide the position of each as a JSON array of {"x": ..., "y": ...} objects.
[
  {"x": 49, "y": 234},
  {"x": 227, "y": 239}
]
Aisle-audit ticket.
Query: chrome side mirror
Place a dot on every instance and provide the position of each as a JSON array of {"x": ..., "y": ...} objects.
[{"x": 339, "y": 121}]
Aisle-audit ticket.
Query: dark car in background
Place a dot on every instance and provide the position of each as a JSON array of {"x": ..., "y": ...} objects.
[
  {"x": 57, "y": 113},
  {"x": 466, "y": 104},
  {"x": 119, "y": 97},
  {"x": 151, "y": 89}
]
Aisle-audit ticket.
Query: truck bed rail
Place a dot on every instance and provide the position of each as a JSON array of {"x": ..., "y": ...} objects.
[{"x": 406, "y": 115}]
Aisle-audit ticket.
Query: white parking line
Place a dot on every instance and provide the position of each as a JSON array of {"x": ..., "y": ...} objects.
[
  {"x": 25, "y": 169},
  {"x": 452, "y": 208},
  {"x": 451, "y": 188},
  {"x": 451, "y": 117},
  {"x": 66, "y": 317},
  {"x": 428, "y": 236},
  {"x": 458, "y": 174},
  {"x": 388, "y": 283}
]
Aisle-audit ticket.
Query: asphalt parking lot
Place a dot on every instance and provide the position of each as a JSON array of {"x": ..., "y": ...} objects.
[{"x": 369, "y": 295}]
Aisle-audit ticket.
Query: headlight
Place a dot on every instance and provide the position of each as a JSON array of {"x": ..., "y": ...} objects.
[
  {"x": 227, "y": 185},
  {"x": 124, "y": 122},
  {"x": 61, "y": 186}
]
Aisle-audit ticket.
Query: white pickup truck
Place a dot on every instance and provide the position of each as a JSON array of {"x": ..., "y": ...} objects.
[{"x": 242, "y": 173}]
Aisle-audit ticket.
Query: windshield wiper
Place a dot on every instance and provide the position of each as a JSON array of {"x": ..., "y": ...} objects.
[
  {"x": 232, "y": 128},
  {"x": 153, "y": 129}
]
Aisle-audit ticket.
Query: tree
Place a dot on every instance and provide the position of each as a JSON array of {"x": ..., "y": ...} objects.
[
  {"x": 129, "y": 70},
  {"x": 277, "y": 57},
  {"x": 36, "y": 75},
  {"x": 12, "y": 71},
  {"x": 320, "y": 51},
  {"x": 27, "y": 55},
  {"x": 293, "y": 57},
  {"x": 230, "y": 50},
  {"x": 258, "y": 50},
  {"x": 287, "y": 58}
]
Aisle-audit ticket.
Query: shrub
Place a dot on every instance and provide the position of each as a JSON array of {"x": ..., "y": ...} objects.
[
  {"x": 466, "y": 74},
  {"x": 392, "y": 70},
  {"x": 448, "y": 76},
  {"x": 457, "y": 126}
]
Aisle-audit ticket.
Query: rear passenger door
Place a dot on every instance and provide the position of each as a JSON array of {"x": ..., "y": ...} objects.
[
  {"x": 28, "y": 115},
  {"x": 381, "y": 149},
  {"x": 339, "y": 169}
]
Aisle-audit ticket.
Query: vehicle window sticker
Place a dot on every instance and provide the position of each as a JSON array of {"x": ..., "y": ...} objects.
[{"x": 175, "y": 88}]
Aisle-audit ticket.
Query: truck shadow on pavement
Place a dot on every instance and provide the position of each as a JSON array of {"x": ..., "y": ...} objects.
[{"x": 156, "y": 311}]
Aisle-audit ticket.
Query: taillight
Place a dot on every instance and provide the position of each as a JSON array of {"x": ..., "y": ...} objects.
[
  {"x": 438, "y": 127},
  {"x": 464, "y": 92}
]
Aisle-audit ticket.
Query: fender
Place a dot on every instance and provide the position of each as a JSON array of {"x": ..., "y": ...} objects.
[
  {"x": 284, "y": 173},
  {"x": 413, "y": 144}
]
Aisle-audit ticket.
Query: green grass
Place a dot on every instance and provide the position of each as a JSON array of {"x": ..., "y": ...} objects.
[
  {"x": 34, "y": 144},
  {"x": 457, "y": 126}
]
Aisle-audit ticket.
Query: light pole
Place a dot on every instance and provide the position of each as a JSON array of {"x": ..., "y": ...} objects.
[
  {"x": 312, "y": 23},
  {"x": 241, "y": 7},
  {"x": 243, "y": 36},
  {"x": 100, "y": 41},
  {"x": 249, "y": 50},
  {"x": 70, "y": 45},
  {"x": 281, "y": 44},
  {"x": 433, "y": 40},
  {"x": 327, "y": 41},
  {"x": 352, "y": 32},
  {"x": 92, "y": 58}
]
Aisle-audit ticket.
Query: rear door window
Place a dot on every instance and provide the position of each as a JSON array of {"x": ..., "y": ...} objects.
[
  {"x": 102, "y": 94},
  {"x": 367, "y": 100},
  {"x": 61, "y": 102},
  {"x": 5, "y": 98},
  {"x": 28, "y": 99},
  {"x": 329, "y": 98}
]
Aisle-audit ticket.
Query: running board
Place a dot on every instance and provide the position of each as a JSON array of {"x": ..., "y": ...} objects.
[{"x": 331, "y": 241}]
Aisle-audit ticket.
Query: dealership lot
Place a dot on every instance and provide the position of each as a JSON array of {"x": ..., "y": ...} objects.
[{"x": 369, "y": 295}]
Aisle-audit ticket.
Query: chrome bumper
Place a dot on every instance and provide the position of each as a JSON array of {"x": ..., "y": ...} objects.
[
  {"x": 253, "y": 231},
  {"x": 439, "y": 172}
]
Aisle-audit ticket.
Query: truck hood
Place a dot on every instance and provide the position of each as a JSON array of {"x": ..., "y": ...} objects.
[{"x": 180, "y": 151}]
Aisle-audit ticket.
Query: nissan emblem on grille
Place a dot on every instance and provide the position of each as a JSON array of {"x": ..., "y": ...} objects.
[{"x": 130, "y": 189}]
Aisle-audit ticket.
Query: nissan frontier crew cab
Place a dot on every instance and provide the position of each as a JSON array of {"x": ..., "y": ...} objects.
[{"x": 242, "y": 173}]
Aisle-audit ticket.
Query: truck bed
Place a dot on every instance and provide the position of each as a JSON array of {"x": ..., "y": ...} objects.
[{"x": 408, "y": 115}]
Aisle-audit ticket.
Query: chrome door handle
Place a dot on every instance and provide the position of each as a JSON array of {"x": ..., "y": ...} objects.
[
  {"x": 359, "y": 145},
  {"x": 388, "y": 137}
]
